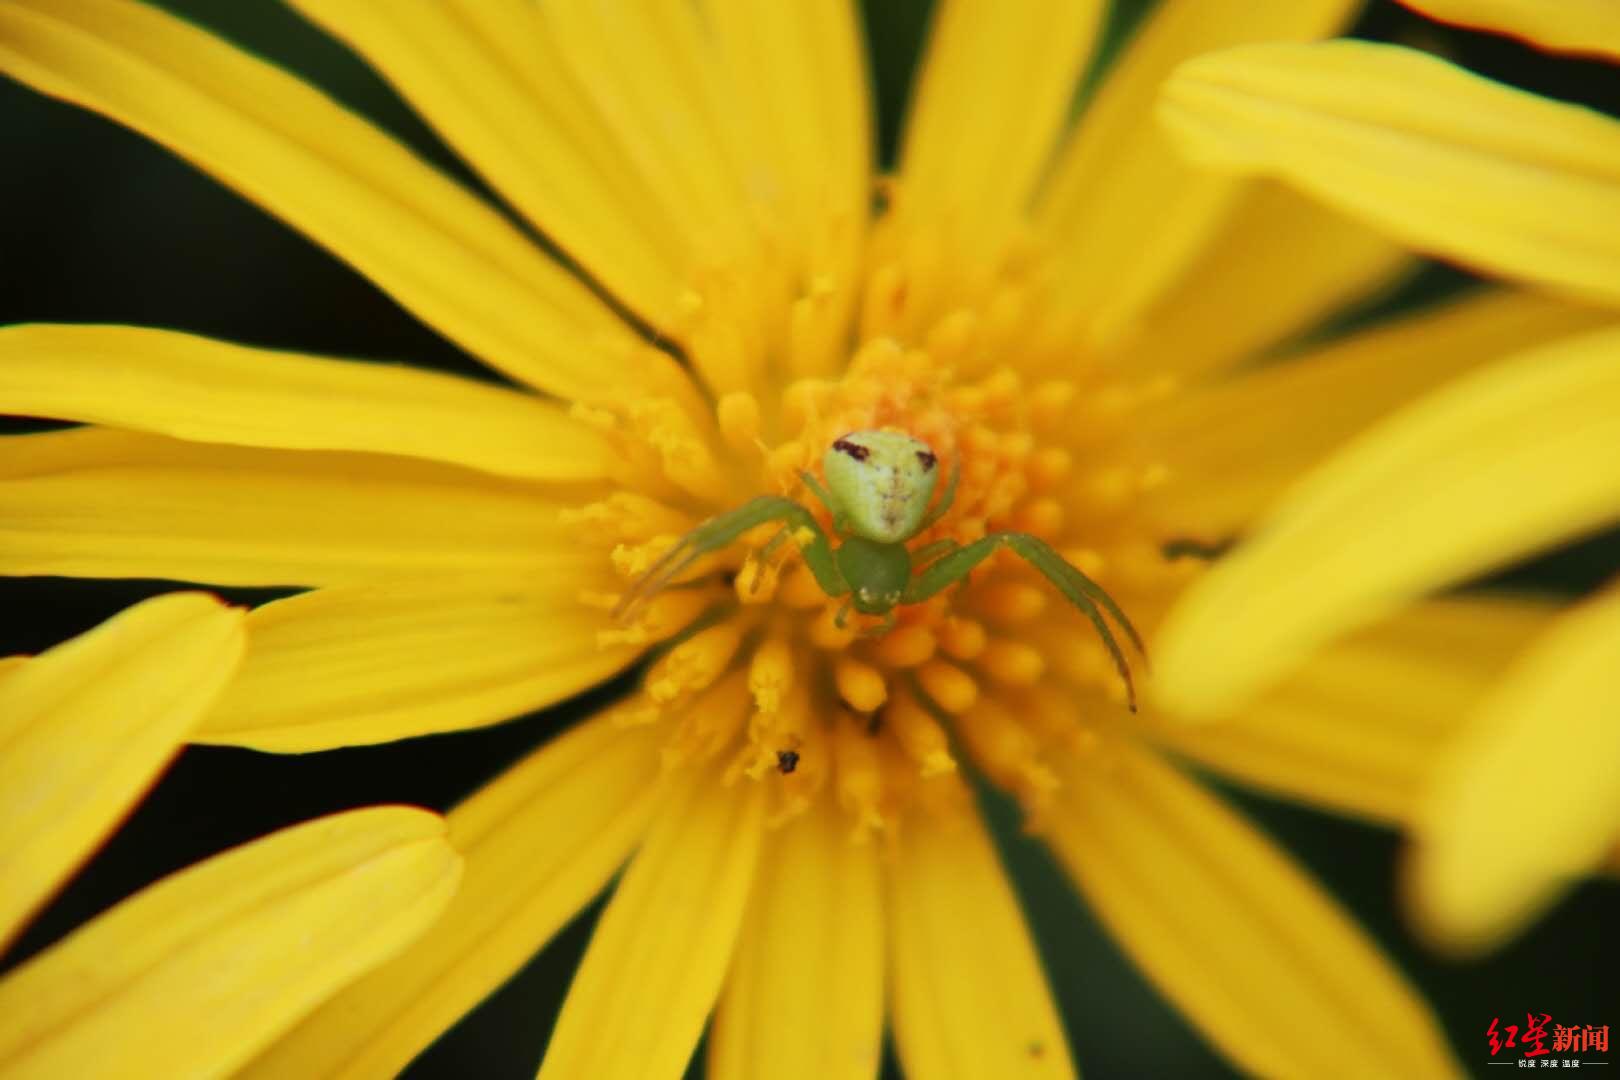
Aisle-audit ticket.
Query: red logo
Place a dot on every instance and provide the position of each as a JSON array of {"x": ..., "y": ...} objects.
[{"x": 1532, "y": 1038}]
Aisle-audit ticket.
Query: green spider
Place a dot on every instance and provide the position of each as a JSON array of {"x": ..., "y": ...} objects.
[{"x": 879, "y": 484}]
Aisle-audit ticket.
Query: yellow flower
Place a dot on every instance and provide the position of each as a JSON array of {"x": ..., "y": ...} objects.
[
  {"x": 1512, "y": 459},
  {"x": 1061, "y": 314},
  {"x": 251, "y": 939}
]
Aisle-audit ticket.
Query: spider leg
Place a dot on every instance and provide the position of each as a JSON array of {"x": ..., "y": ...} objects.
[
  {"x": 883, "y": 627},
  {"x": 946, "y": 499},
  {"x": 840, "y": 522},
  {"x": 1080, "y": 590},
  {"x": 843, "y": 614},
  {"x": 929, "y": 552},
  {"x": 723, "y": 529},
  {"x": 763, "y": 554},
  {"x": 775, "y": 542}
]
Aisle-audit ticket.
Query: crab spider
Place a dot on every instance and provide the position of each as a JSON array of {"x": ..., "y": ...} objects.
[{"x": 879, "y": 484}]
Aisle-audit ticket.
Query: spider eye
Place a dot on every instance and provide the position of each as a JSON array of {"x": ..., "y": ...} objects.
[
  {"x": 927, "y": 458},
  {"x": 853, "y": 449}
]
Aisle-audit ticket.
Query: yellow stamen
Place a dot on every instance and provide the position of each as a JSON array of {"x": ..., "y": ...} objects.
[
  {"x": 660, "y": 618},
  {"x": 860, "y": 685},
  {"x": 961, "y": 638},
  {"x": 771, "y": 674},
  {"x": 1007, "y": 602},
  {"x": 860, "y": 777},
  {"x": 905, "y": 646},
  {"x": 625, "y": 516},
  {"x": 709, "y": 724},
  {"x": 1012, "y": 663},
  {"x": 951, "y": 688},
  {"x": 825, "y": 633},
  {"x": 1007, "y": 754},
  {"x": 1043, "y": 517},
  {"x": 694, "y": 663},
  {"x": 686, "y": 457},
  {"x": 757, "y": 581},
  {"x": 920, "y": 736},
  {"x": 799, "y": 590},
  {"x": 1048, "y": 467}
]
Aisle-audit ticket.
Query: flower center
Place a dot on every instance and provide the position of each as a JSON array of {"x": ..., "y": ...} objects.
[{"x": 754, "y": 666}]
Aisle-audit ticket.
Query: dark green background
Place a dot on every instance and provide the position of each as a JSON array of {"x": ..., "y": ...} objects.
[{"x": 100, "y": 226}]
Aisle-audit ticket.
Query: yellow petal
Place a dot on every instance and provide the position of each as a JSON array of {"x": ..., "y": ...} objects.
[
  {"x": 1236, "y": 444},
  {"x": 1489, "y": 468},
  {"x": 991, "y": 100},
  {"x": 96, "y": 502},
  {"x": 194, "y": 388},
  {"x": 87, "y": 726},
  {"x": 1570, "y": 25},
  {"x": 804, "y": 119},
  {"x": 1527, "y": 801},
  {"x": 658, "y": 956},
  {"x": 804, "y": 998},
  {"x": 197, "y": 972},
  {"x": 362, "y": 664},
  {"x": 1132, "y": 214},
  {"x": 484, "y": 74},
  {"x": 1267, "y": 966},
  {"x": 539, "y": 842},
  {"x": 1444, "y": 160},
  {"x": 1358, "y": 727},
  {"x": 1280, "y": 264},
  {"x": 438, "y": 249},
  {"x": 791, "y": 103},
  {"x": 968, "y": 994},
  {"x": 643, "y": 74}
]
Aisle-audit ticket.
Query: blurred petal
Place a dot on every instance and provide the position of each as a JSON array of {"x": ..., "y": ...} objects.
[
  {"x": 804, "y": 998},
  {"x": 1130, "y": 213},
  {"x": 364, "y": 664},
  {"x": 438, "y": 249},
  {"x": 1356, "y": 729},
  {"x": 1582, "y": 26},
  {"x": 968, "y": 994},
  {"x": 1237, "y": 444},
  {"x": 991, "y": 100},
  {"x": 1280, "y": 264},
  {"x": 96, "y": 502},
  {"x": 86, "y": 727},
  {"x": 1444, "y": 160},
  {"x": 1497, "y": 464},
  {"x": 194, "y": 388},
  {"x": 1256, "y": 955},
  {"x": 197, "y": 972},
  {"x": 660, "y": 952},
  {"x": 539, "y": 842},
  {"x": 1527, "y": 801}
]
